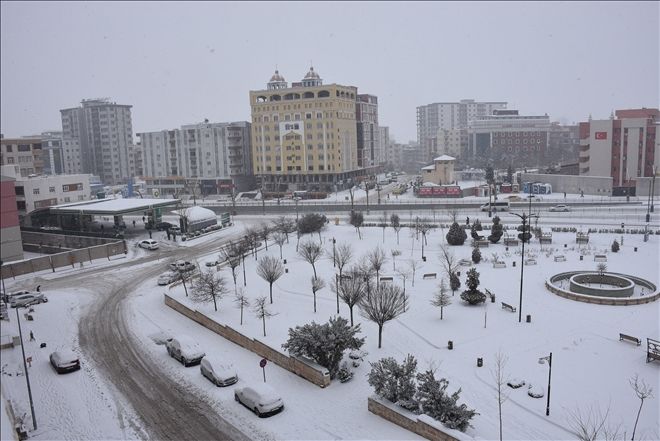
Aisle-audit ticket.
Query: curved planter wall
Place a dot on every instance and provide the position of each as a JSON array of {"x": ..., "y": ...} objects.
[{"x": 654, "y": 294}]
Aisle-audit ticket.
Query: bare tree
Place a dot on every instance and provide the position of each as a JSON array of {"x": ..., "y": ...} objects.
[
  {"x": 317, "y": 285},
  {"x": 377, "y": 259},
  {"x": 232, "y": 254},
  {"x": 285, "y": 226},
  {"x": 396, "y": 225},
  {"x": 499, "y": 377},
  {"x": 356, "y": 219},
  {"x": 252, "y": 240},
  {"x": 588, "y": 424},
  {"x": 453, "y": 215},
  {"x": 261, "y": 310},
  {"x": 241, "y": 301},
  {"x": 351, "y": 290},
  {"x": 270, "y": 269},
  {"x": 394, "y": 253},
  {"x": 311, "y": 252},
  {"x": 209, "y": 287},
  {"x": 405, "y": 275},
  {"x": 264, "y": 233},
  {"x": 279, "y": 238},
  {"x": 343, "y": 256},
  {"x": 424, "y": 225},
  {"x": 643, "y": 391},
  {"x": 413, "y": 265},
  {"x": 384, "y": 304},
  {"x": 601, "y": 268},
  {"x": 383, "y": 223},
  {"x": 441, "y": 298},
  {"x": 448, "y": 260}
]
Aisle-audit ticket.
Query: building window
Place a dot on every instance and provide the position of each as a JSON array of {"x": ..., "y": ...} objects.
[
  {"x": 51, "y": 189},
  {"x": 35, "y": 191}
]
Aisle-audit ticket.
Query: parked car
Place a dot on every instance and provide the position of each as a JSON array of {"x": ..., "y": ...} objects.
[
  {"x": 260, "y": 399},
  {"x": 175, "y": 230},
  {"x": 212, "y": 263},
  {"x": 560, "y": 208},
  {"x": 167, "y": 278},
  {"x": 219, "y": 373},
  {"x": 7, "y": 298},
  {"x": 27, "y": 300},
  {"x": 64, "y": 361},
  {"x": 182, "y": 265},
  {"x": 186, "y": 350},
  {"x": 162, "y": 226}
]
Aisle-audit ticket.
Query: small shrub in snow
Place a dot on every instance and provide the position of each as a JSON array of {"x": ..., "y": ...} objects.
[
  {"x": 515, "y": 383},
  {"x": 456, "y": 235},
  {"x": 435, "y": 402},
  {"x": 393, "y": 381},
  {"x": 476, "y": 255},
  {"x": 615, "y": 246},
  {"x": 344, "y": 374},
  {"x": 535, "y": 391},
  {"x": 472, "y": 295}
]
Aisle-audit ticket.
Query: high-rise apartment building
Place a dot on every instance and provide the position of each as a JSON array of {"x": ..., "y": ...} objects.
[
  {"x": 99, "y": 136},
  {"x": 449, "y": 116},
  {"x": 205, "y": 150},
  {"x": 368, "y": 142},
  {"x": 508, "y": 138},
  {"x": 624, "y": 148},
  {"x": 383, "y": 147},
  {"x": 26, "y": 153},
  {"x": 304, "y": 137}
]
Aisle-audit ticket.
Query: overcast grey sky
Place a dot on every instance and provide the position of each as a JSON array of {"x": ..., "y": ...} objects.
[{"x": 179, "y": 63}]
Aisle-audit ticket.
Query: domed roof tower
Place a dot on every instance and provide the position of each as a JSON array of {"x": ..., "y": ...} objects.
[
  {"x": 312, "y": 78},
  {"x": 277, "y": 81}
]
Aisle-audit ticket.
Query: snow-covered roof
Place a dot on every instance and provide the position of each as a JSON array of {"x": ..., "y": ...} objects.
[
  {"x": 429, "y": 167},
  {"x": 430, "y": 184},
  {"x": 113, "y": 206},
  {"x": 196, "y": 214},
  {"x": 445, "y": 158}
]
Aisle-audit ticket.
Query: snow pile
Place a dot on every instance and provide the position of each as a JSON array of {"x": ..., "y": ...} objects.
[{"x": 199, "y": 214}]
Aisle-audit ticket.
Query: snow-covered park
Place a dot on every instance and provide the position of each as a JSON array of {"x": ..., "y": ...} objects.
[{"x": 591, "y": 368}]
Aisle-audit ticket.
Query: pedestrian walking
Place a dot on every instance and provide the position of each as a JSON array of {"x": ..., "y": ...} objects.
[
  {"x": 38, "y": 288},
  {"x": 133, "y": 223},
  {"x": 31, "y": 336},
  {"x": 467, "y": 221},
  {"x": 168, "y": 234}
]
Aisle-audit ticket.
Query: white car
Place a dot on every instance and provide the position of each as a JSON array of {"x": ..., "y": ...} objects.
[
  {"x": 260, "y": 399},
  {"x": 560, "y": 208},
  {"x": 217, "y": 372},
  {"x": 181, "y": 265},
  {"x": 148, "y": 244},
  {"x": 167, "y": 278},
  {"x": 186, "y": 350},
  {"x": 64, "y": 361},
  {"x": 27, "y": 300}
]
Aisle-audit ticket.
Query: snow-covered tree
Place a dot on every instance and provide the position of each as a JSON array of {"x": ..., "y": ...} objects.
[
  {"x": 454, "y": 283},
  {"x": 394, "y": 253},
  {"x": 285, "y": 226},
  {"x": 311, "y": 223},
  {"x": 324, "y": 344},
  {"x": 386, "y": 303},
  {"x": 352, "y": 288},
  {"x": 456, "y": 235},
  {"x": 343, "y": 256},
  {"x": 643, "y": 391},
  {"x": 496, "y": 231},
  {"x": 311, "y": 252},
  {"x": 396, "y": 225},
  {"x": 270, "y": 269},
  {"x": 500, "y": 379},
  {"x": 264, "y": 233},
  {"x": 382, "y": 222},
  {"x": 413, "y": 265},
  {"x": 377, "y": 259},
  {"x": 232, "y": 253},
  {"x": 472, "y": 295},
  {"x": 279, "y": 238},
  {"x": 395, "y": 382},
  {"x": 441, "y": 298},
  {"x": 615, "y": 246},
  {"x": 435, "y": 402},
  {"x": 476, "y": 254},
  {"x": 209, "y": 287}
]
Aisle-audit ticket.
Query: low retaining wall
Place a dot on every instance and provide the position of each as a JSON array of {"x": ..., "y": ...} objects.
[
  {"x": 310, "y": 372},
  {"x": 422, "y": 425},
  {"x": 599, "y": 300},
  {"x": 71, "y": 257}
]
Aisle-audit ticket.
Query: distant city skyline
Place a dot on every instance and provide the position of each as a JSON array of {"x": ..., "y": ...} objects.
[{"x": 180, "y": 63}]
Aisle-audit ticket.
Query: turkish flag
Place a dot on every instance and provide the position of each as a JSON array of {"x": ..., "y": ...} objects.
[{"x": 601, "y": 135}]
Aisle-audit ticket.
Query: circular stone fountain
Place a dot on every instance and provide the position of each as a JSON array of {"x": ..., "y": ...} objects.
[{"x": 605, "y": 289}]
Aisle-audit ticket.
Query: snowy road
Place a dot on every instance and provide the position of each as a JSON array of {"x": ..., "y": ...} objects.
[{"x": 166, "y": 408}]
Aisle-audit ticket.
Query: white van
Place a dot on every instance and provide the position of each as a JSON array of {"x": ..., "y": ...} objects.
[{"x": 496, "y": 206}]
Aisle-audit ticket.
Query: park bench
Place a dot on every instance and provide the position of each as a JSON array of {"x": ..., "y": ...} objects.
[
  {"x": 530, "y": 262},
  {"x": 429, "y": 276},
  {"x": 600, "y": 258},
  {"x": 386, "y": 279},
  {"x": 560, "y": 258},
  {"x": 499, "y": 264},
  {"x": 465, "y": 262},
  {"x": 480, "y": 243},
  {"x": 629, "y": 338},
  {"x": 545, "y": 238},
  {"x": 652, "y": 350},
  {"x": 510, "y": 241},
  {"x": 509, "y": 307}
]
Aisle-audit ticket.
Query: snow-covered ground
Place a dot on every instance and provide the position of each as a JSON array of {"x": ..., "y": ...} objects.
[{"x": 591, "y": 367}]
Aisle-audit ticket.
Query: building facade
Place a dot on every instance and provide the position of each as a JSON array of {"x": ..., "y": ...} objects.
[
  {"x": 449, "y": 116},
  {"x": 99, "y": 136},
  {"x": 563, "y": 143},
  {"x": 383, "y": 145},
  {"x": 43, "y": 191},
  {"x": 24, "y": 153},
  {"x": 441, "y": 172},
  {"x": 507, "y": 138},
  {"x": 304, "y": 137},
  {"x": 624, "y": 148},
  {"x": 368, "y": 135},
  {"x": 205, "y": 150},
  {"x": 11, "y": 245}
]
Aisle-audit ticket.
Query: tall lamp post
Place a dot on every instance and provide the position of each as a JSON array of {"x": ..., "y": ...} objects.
[
  {"x": 542, "y": 360},
  {"x": 2, "y": 277},
  {"x": 27, "y": 374},
  {"x": 525, "y": 220}
]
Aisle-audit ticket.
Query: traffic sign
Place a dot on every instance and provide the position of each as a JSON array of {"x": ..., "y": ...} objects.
[{"x": 263, "y": 362}]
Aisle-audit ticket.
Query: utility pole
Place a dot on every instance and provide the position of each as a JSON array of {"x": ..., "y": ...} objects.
[
  {"x": 525, "y": 220},
  {"x": 27, "y": 374}
]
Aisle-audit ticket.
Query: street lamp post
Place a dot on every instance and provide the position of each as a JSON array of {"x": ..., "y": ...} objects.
[
  {"x": 525, "y": 220},
  {"x": 542, "y": 360},
  {"x": 27, "y": 374},
  {"x": 2, "y": 277}
]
